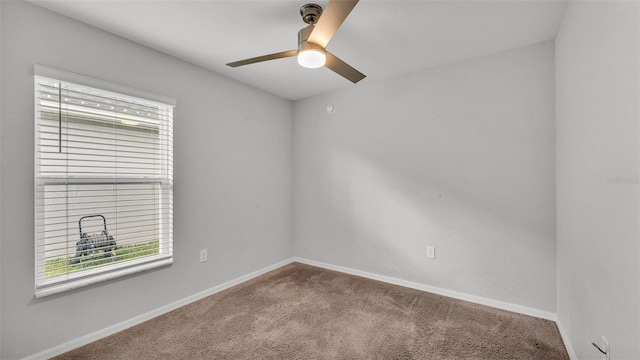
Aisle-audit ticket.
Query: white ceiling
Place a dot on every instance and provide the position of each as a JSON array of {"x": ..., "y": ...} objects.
[{"x": 381, "y": 38}]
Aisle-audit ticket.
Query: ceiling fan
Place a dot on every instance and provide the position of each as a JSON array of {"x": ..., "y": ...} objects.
[{"x": 313, "y": 40}]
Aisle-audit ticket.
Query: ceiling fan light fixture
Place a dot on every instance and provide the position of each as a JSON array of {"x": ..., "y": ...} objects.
[
  {"x": 312, "y": 59},
  {"x": 310, "y": 55}
]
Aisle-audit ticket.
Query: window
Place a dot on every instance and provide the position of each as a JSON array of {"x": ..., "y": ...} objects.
[{"x": 103, "y": 181}]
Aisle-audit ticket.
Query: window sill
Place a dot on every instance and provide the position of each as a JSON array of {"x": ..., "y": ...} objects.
[{"x": 59, "y": 287}]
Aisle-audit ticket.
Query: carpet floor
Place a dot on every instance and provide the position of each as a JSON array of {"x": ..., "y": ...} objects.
[{"x": 304, "y": 312}]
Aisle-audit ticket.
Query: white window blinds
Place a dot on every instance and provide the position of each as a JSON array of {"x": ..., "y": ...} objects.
[{"x": 103, "y": 183}]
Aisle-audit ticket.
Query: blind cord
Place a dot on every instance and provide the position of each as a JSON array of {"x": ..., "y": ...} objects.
[{"x": 60, "y": 117}]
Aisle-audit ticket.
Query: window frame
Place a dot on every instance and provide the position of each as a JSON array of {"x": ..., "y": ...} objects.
[{"x": 85, "y": 277}]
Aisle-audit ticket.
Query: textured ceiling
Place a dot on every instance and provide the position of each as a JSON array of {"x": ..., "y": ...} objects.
[{"x": 379, "y": 38}]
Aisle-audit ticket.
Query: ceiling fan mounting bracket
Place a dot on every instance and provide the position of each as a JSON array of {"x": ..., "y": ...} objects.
[{"x": 310, "y": 13}]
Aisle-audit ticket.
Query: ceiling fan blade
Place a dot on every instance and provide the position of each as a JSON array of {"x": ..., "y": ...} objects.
[
  {"x": 342, "y": 68},
  {"x": 258, "y": 59},
  {"x": 330, "y": 20}
]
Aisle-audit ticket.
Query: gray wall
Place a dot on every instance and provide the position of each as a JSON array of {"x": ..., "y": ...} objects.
[
  {"x": 232, "y": 156},
  {"x": 598, "y": 144},
  {"x": 460, "y": 157}
]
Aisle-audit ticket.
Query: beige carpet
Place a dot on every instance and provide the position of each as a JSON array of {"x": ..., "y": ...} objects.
[{"x": 304, "y": 312}]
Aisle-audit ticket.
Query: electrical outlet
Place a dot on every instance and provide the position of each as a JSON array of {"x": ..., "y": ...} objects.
[
  {"x": 431, "y": 252},
  {"x": 203, "y": 255}
]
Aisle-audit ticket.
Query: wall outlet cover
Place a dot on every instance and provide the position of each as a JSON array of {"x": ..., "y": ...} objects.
[
  {"x": 431, "y": 252},
  {"x": 203, "y": 255}
]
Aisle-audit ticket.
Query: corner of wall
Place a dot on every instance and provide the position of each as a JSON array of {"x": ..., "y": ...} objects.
[
  {"x": 292, "y": 204},
  {"x": 565, "y": 338}
]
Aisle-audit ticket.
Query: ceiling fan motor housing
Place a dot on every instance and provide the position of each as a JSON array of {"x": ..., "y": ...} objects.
[
  {"x": 304, "y": 33},
  {"x": 305, "y": 46}
]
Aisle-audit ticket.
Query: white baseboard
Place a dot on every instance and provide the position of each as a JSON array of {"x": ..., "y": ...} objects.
[
  {"x": 86, "y": 339},
  {"x": 435, "y": 290},
  {"x": 565, "y": 339}
]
